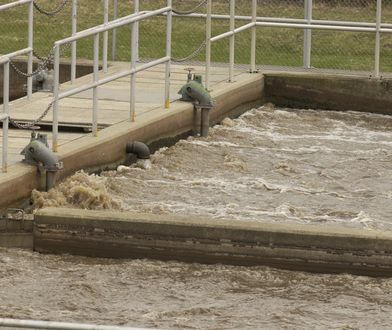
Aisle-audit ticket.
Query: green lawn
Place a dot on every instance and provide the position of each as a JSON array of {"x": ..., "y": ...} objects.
[{"x": 335, "y": 50}]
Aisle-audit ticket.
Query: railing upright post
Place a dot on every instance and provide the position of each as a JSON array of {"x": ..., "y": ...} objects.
[
  {"x": 378, "y": 37},
  {"x": 232, "y": 40},
  {"x": 253, "y": 40},
  {"x": 307, "y": 35},
  {"x": 56, "y": 90},
  {"x": 133, "y": 75},
  {"x": 30, "y": 41},
  {"x": 73, "y": 46},
  {"x": 6, "y": 79},
  {"x": 208, "y": 43},
  {"x": 136, "y": 10},
  {"x": 105, "y": 37},
  {"x": 169, "y": 18},
  {"x": 114, "y": 31},
  {"x": 95, "y": 89}
]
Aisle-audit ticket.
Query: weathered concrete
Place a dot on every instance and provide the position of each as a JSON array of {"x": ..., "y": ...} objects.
[
  {"x": 109, "y": 147},
  {"x": 330, "y": 92},
  {"x": 186, "y": 238},
  {"x": 16, "y": 233}
]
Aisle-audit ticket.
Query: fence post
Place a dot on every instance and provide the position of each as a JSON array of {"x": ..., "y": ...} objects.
[
  {"x": 95, "y": 89},
  {"x": 30, "y": 41},
  {"x": 253, "y": 41},
  {"x": 105, "y": 37},
  {"x": 307, "y": 35},
  {"x": 114, "y": 31},
  {"x": 208, "y": 42},
  {"x": 6, "y": 79},
  {"x": 232, "y": 40},
  {"x": 136, "y": 10},
  {"x": 56, "y": 87},
  {"x": 377, "y": 45},
  {"x": 73, "y": 49},
  {"x": 169, "y": 17}
]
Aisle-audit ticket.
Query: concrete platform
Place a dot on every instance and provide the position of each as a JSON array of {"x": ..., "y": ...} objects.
[{"x": 171, "y": 237}]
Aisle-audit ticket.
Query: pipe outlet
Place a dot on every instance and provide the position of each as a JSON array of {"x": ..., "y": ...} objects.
[{"x": 141, "y": 150}]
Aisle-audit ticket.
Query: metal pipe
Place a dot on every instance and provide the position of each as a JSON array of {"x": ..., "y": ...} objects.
[
  {"x": 136, "y": 4},
  {"x": 105, "y": 37},
  {"x": 231, "y": 33},
  {"x": 133, "y": 75},
  {"x": 5, "y": 58},
  {"x": 141, "y": 150},
  {"x": 168, "y": 54},
  {"x": 30, "y": 54},
  {"x": 73, "y": 46},
  {"x": 205, "y": 122},
  {"x": 56, "y": 90},
  {"x": 33, "y": 324},
  {"x": 95, "y": 88},
  {"x": 208, "y": 43},
  {"x": 114, "y": 31},
  {"x": 253, "y": 38},
  {"x": 5, "y": 119},
  {"x": 377, "y": 43},
  {"x": 14, "y": 4},
  {"x": 307, "y": 34},
  {"x": 114, "y": 24},
  {"x": 106, "y": 80},
  {"x": 232, "y": 40}
]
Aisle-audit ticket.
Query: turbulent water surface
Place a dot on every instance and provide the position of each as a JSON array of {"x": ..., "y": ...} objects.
[{"x": 275, "y": 165}]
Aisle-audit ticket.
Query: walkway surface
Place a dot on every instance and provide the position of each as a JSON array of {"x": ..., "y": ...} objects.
[{"x": 113, "y": 106}]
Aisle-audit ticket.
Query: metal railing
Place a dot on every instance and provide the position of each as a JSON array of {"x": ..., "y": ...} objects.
[
  {"x": 307, "y": 24},
  {"x": 132, "y": 20},
  {"x": 51, "y": 325}
]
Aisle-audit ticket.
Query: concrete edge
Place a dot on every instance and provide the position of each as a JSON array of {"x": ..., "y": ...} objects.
[{"x": 207, "y": 240}]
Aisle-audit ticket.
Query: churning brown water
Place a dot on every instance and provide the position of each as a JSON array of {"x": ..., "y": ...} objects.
[{"x": 269, "y": 165}]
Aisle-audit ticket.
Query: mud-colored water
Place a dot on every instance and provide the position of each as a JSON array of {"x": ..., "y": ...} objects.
[
  {"x": 171, "y": 295},
  {"x": 269, "y": 165}
]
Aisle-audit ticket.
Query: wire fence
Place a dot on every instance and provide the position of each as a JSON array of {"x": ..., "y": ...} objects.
[{"x": 275, "y": 46}]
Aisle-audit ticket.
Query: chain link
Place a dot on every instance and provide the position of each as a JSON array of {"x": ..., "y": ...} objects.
[
  {"x": 50, "y": 13},
  {"x": 195, "y": 53},
  {"x": 187, "y": 12},
  {"x": 34, "y": 122},
  {"x": 45, "y": 62}
]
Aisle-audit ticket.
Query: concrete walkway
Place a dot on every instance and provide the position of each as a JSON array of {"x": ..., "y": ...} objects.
[{"x": 113, "y": 107}]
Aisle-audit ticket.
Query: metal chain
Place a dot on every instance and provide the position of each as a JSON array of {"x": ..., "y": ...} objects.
[
  {"x": 179, "y": 12},
  {"x": 45, "y": 62},
  {"x": 34, "y": 122},
  {"x": 50, "y": 13},
  {"x": 192, "y": 55}
]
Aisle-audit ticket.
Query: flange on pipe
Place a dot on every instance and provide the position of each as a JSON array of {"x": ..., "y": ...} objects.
[
  {"x": 37, "y": 153},
  {"x": 194, "y": 91}
]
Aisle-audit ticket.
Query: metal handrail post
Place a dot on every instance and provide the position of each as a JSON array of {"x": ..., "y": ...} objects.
[
  {"x": 114, "y": 32},
  {"x": 232, "y": 40},
  {"x": 30, "y": 42},
  {"x": 168, "y": 53},
  {"x": 208, "y": 42},
  {"x": 56, "y": 90},
  {"x": 133, "y": 75},
  {"x": 253, "y": 38},
  {"x": 137, "y": 10},
  {"x": 307, "y": 35},
  {"x": 377, "y": 43},
  {"x": 105, "y": 37},
  {"x": 73, "y": 46},
  {"x": 6, "y": 79},
  {"x": 95, "y": 89}
]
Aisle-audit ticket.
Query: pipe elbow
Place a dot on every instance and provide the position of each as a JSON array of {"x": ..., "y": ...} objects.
[
  {"x": 40, "y": 153},
  {"x": 140, "y": 149}
]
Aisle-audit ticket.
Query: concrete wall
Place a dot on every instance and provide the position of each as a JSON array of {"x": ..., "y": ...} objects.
[
  {"x": 330, "y": 92},
  {"x": 185, "y": 238}
]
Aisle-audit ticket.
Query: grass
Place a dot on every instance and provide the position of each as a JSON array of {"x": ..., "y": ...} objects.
[{"x": 334, "y": 50}]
